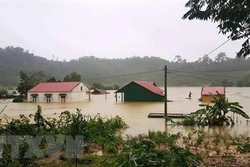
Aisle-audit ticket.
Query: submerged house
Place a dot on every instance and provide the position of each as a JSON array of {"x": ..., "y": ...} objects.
[
  {"x": 58, "y": 92},
  {"x": 141, "y": 91},
  {"x": 207, "y": 93},
  {"x": 99, "y": 92}
]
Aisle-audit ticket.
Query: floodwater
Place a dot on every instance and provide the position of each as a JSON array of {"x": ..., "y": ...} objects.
[{"x": 136, "y": 114}]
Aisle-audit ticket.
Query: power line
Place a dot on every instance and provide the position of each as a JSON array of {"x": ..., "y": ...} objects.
[
  {"x": 218, "y": 47},
  {"x": 122, "y": 75},
  {"x": 176, "y": 72},
  {"x": 202, "y": 73},
  {"x": 195, "y": 77},
  {"x": 229, "y": 70},
  {"x": 206, "y": 54}
]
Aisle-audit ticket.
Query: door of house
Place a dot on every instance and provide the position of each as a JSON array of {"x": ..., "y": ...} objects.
[
  {"x": 48, "y": 99},
  {"x": 63, "y": 99},
  {"x": 34, "y": 99}
]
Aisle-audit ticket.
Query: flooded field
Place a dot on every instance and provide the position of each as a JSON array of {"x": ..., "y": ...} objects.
[{"x": 136, "y": 114}]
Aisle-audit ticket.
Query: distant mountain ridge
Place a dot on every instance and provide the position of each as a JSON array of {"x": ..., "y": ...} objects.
[{"x": 15, "y": 59}]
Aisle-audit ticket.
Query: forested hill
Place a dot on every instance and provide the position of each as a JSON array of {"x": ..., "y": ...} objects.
[{"x": 205, "y": 71}]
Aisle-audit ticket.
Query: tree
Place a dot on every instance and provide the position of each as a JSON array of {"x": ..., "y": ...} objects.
[
  {"x": 106, "y": 87},
  {"x": 221, "y": 57},
  {"x": 72, "y": 77},
  {"x": 99, "y": 68},
  {"x": 97, "y": 86},
  {"x": 116, "y": 87},
  {"x": 244, "y": 82},
  {"x": 205, "y": 59},
  {"x": 240, "y": 83},
  {"x": 232, "y": 17},
  {"x": 226, "y": 83},
  {"x": 3, "y": 93},
  {"x": 178, "y": 59},
  {"x": 39, "y": 76},
  {"x": 26, "y": 83},
  {"x": 52, "y": 79},
  {"x": 29, "y": 80}
]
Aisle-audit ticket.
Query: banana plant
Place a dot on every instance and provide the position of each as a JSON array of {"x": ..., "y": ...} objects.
[{"x": 218, "y": 113}]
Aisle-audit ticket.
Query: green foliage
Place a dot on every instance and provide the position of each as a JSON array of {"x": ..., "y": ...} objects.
[
  {"x": 103, "y": 132},
  {"x": 216, "y": 114},
  {"x": 73, "y": 76},
  {"x": 3, "y": 93},
  {"x": 232, "y": 17},
  {"x": 29, "y": 80},
  {"x": 25, "y": 83},
  {"x": 17, "y": 100},
  {"x": 163, "y": 138},
  {"x": 200, "y": 139},
  {"x": 189, "y": 121},
  {"x": 245, "y": 82},
  {"x": 106, "y": 87},
  {"x": 143, "y": 151},
  {"x": 100, "y": 69},
  {"x": 226, "y": 83},
  {"x": 116, "y": 87},
  {"x": 244, "y": 148},
  {"x": 217, "y": 139},
  {"x": 97, "y": 131},
  {"x": 52, "y": 79}
]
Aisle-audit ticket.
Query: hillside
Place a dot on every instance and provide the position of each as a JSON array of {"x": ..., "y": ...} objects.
[{"x": 221, "y": 71}]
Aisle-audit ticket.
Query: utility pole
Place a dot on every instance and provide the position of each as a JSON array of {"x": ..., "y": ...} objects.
[{"x": 165, "y": 91}]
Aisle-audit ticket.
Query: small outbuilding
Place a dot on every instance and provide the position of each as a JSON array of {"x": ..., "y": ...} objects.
[
  {"x": 99, "y": 92},
  {"x": 141, "y": 91},
  {"x": 58, "y": 92},
  {"x": 207, "y": 93}
]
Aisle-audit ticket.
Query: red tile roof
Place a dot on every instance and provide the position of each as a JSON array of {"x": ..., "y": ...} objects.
[
  {"x": 54, "y": 87},
  {"x": 151, "y": 86},
  {"x": 213, "y": 90}
]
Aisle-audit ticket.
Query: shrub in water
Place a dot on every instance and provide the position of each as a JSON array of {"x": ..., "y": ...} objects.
[{"x": 17, "y": 100}]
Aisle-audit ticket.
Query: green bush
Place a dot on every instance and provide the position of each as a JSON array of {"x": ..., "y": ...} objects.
[
  {"x": 17, "y": 100},
  {"x": 189, "y": 121},
  {"x": 143, "y": 151},
  {"x": 98, "y": 132},
  {"x": 244, "y": 148}
]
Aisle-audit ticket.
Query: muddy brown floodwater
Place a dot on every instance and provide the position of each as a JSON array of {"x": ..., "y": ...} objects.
[{"x": 136, "y": 114}]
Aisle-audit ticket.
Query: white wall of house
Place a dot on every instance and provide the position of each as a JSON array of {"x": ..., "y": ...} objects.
[{"x": 79, "y": 93}]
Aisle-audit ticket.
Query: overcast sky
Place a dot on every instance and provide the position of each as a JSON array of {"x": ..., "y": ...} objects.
[{"x": 69, "y": 29}]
